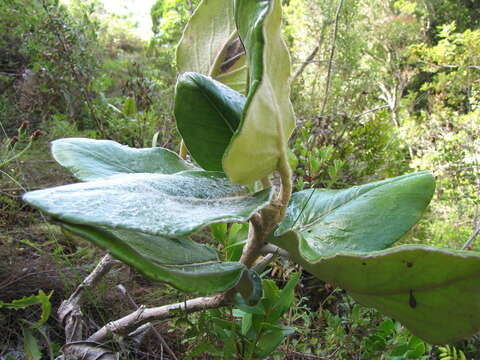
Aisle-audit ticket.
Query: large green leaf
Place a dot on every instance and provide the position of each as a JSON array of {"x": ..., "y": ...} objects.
[
  {"x": 210, "y": 45},
  {"x": 268, "y": 119},
  {"x": 166, "y": 205},
  {"x": 362, "y": 218},
  {"x": 90, "y": 159},
  {"x": 434, "y": 293},
  {"x": 180, "y": 262},
  {"x": 207, "y": 114}
]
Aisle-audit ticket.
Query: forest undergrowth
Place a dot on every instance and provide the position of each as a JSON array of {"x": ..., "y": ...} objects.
[{"x": 380, "y": 88}]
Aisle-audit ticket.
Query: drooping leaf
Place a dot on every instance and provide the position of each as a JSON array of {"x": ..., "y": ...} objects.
[
  {"x": 172, "y": 205},
  {"x": 362, "y": 218},
  {"x": 434, "y": 293},
  {"x": 268, "y": 118},
  {"x": 90, "y": 159},
  {"x": 210, "y": 45},
  {"x": 207, "y": 114},
  {"x": 180, "y": 262}
]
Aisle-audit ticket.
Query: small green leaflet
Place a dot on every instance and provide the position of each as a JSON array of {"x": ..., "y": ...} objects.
[{"x": 41, "y": 299}]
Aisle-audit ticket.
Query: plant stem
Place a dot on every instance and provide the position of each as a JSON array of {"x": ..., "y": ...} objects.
[
  {"x": 470, "y": 241},
  {"x": 332, "y": 53},
  {"x": 143, "y": 315},
  {"x": 256, "y": 237},
  {"x": 5, "y": 162},
  {"x": 266, "y": 183},
  {"x": 275, "y": 250},
  {"x": 260, "y": 266},
  {"x": 286, "y": 191}
]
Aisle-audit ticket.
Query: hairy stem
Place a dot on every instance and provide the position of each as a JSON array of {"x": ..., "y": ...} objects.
[{"x": 256, "y": 237}]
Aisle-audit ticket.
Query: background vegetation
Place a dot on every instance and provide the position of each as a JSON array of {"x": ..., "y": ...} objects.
[{"x": 380, "y": 88}]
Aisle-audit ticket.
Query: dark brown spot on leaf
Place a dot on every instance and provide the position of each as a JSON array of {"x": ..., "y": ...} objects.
[
  {"x": 233, "y": 53},
  {"x": 412, "y": 301},
  {"x": 409, "y": 264}
]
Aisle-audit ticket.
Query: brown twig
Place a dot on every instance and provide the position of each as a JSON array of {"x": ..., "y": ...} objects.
[
  {"x": 472, "y": 238},
  {"x": 332, "y": 53},
  {"x": 69, "y": 311},
  {"x": 307, "y": 61},
  {"x": 159, "y": 336},
  {"x": 144, "y": 315}
]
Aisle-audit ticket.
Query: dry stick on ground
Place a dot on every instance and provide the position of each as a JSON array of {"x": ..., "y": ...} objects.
[
  {"x": 332, "y": 53},
  {"x": 159, "y": 336},
  {"x": 142, "y": 316},
  {"x": 69, "y": 311}
]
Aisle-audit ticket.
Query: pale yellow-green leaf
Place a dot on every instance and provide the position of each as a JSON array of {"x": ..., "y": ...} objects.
[
  {"x": 210, "y": 45},
  {"x": 268, "y": 119}
]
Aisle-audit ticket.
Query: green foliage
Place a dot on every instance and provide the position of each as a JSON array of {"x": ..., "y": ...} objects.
[
  {"x": 91, "y": 159},
  {"x": 41, "y": 299},
  {"x": 253, "y": 332},
  {"x": 143, "y": 213},
  {"x": 451, "y": 353},
  {"x": 225, "y": 60},
  {"x": 233, "y": 238},
  {"x": 169, "y": 17},
  {"x": 387, "y": 340}
]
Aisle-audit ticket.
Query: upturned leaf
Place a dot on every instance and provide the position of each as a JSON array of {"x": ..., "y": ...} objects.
[
  {"x": 180, "y": 262},
  {"x": 207, "y": 114},
  {"x": 360, "y": 219},
  {"x": 210, "y": 45},
  {"x": 172, "y": 205},
  {"x": 434, "y": 293},
  {"x": 90, "y": 159},
  {"x": 268, "y": 119}
]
